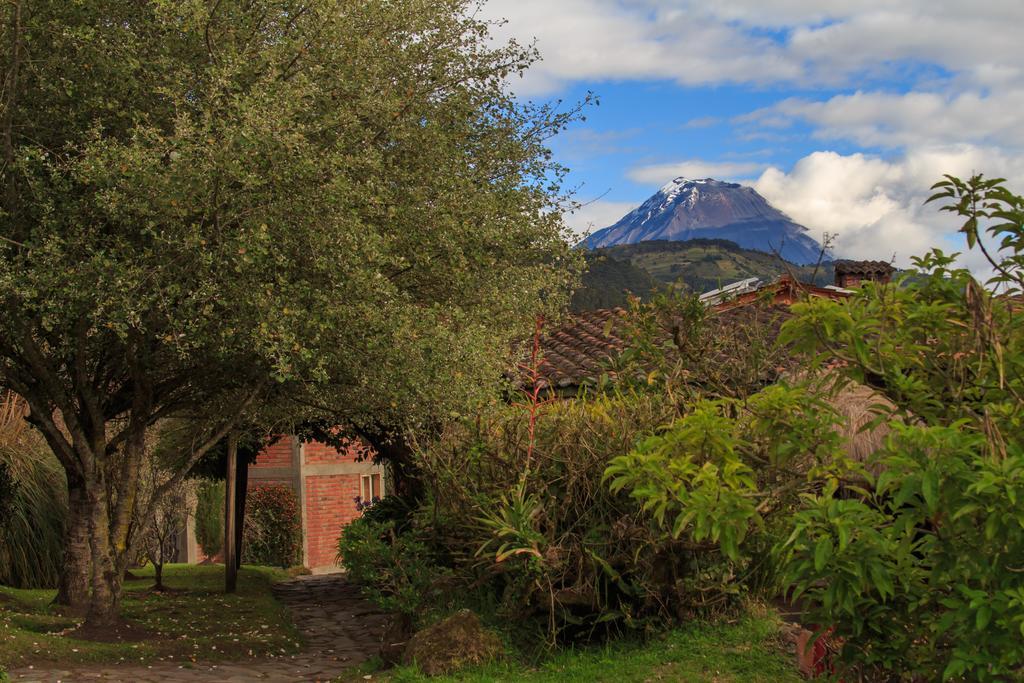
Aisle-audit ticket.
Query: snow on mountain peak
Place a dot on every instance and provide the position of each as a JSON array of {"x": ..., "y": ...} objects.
[{"x": 693, "y": 208}]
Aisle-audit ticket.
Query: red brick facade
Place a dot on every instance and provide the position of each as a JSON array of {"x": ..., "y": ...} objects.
[
  {"x": 279, "y": 454},
  {"x": 326, "y": 481},
  {"x": 330, "y": 505}
]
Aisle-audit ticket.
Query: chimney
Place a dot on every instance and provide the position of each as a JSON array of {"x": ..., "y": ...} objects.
[{"x": 852, "y": 274}]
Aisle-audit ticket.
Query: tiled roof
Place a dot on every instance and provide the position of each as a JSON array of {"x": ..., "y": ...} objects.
[
  {"x": 580, "y": 350},
  {"x": 847, "y": 267}
]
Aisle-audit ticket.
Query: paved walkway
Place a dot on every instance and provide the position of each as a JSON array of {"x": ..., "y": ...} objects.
[{"x": 341, "y": 630}]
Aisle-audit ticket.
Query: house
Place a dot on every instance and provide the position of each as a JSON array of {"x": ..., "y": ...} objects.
[
  {"x": 584, "y": 348},
  {"x": 326, "y": 482},
  {"x": 579, "y": 351}
]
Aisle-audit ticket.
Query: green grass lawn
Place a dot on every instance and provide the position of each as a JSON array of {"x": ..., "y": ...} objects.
[
  {"x": 196, "y": 622},
  {"x": 748, "y": 649}
]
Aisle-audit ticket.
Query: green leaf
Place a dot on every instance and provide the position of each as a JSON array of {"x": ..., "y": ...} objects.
[
  {"x": 982, "y": 617},
  {"x": 929, "y": 490},
  {"x": 822, "y": 553}
]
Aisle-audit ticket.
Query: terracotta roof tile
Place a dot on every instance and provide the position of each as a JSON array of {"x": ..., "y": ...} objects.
[
  {"x": 580, "y": 350},
  {"x": 848, "y": 267}
]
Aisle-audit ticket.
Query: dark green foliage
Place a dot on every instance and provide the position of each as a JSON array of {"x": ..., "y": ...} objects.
[
  {"x": 608, "y": 282},
  {"x": 397, "y": 570},
  {"x": 533, "y": 534},
  {"x": 8, "y": 491},
  {"x": 210, "y": 517},
  {"x": 273, "y": 527}
]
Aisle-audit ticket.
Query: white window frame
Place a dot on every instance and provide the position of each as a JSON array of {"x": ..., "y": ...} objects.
[{"x": 366, "y": 492}]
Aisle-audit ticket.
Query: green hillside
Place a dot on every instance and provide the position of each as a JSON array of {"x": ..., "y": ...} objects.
[
  {"x": 697, "y": 265},
  {"x": 609, "y": 281}
]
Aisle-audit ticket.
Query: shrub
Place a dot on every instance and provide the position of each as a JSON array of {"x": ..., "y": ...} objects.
[
  {"x": 722, "y": 480},
  {"x": 273, "y": 527},
  {"x": 920, "y": 576},
  {"x": 32, "y": 540},
  {"x": 397, "y": 570},
  {"x": 532, "y": 531},
  {"x": 210, "y": 517}
]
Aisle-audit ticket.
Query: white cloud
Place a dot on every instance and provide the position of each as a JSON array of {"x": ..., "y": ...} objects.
[
  {"x": 659, "y": 174},
  {"x": 763, "y": 41},
  {"x": 702, "y": 122},
  {"x": 876, "y": 206},
  {"x": 595, "y": 215},
  {"x": 608, "y": 40},
  {"x": 909, "y": 119}
]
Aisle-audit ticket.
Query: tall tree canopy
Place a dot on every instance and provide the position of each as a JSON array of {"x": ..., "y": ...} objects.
[{"x": 207, "y": 203}]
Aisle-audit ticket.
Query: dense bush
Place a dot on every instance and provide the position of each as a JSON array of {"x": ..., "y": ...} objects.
[
  {"x": 921, "y": 576},
  {"x": 32, "y": 533},
  {"x": 724, "y": 479},
  {"x": 273, "y": 527},
  {"x": 527, "y": 528},
  {"x": 518, "y": 511},
  {"x": 210, "y": 517},
  {"x": 398, "y": 570}
]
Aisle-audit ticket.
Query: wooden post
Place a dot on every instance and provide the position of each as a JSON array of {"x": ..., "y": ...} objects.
[
  {"x": 241, "y": 490},
  {"x": 230, "y": 519}
]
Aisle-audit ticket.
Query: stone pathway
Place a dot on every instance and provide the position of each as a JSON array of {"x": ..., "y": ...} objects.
[{"x": 341, "y": 630}]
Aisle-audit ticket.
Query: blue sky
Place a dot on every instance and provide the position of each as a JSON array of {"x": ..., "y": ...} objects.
[
  {"x": 651, "y": 125},
  {"x": 842, "y": 114}
]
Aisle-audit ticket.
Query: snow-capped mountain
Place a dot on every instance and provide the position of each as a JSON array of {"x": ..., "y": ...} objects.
[{"x": 686, "y": 209}]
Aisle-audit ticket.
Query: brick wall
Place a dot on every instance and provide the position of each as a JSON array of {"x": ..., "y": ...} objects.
[
  {"x": 330, "y": 496},
  {"x": 330, "y": 506},
  {"x": 279, "y": 454},
  {"x": 331, "y": 480},
  {"x": 317, "y": 453}
]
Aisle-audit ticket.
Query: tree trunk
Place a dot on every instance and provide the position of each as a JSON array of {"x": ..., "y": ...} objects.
[
  {"x": 73, "y": 588},
  {"x": 105, "y": 601},
  {"x": 230, "y": 482},
  {"x": 158, "y": 575},
  {"x": 241, "y": 490}
]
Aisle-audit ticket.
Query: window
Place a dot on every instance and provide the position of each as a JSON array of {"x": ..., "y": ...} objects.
[{"x": 371, "y": 486}]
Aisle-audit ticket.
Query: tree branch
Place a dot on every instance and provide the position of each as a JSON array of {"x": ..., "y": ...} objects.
[{"x": 212, "y": 441}]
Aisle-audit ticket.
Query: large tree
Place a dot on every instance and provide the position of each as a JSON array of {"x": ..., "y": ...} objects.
[{"x": 210, "y": 204}]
